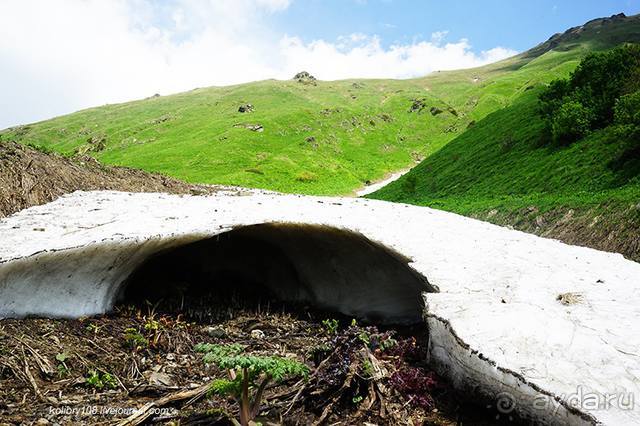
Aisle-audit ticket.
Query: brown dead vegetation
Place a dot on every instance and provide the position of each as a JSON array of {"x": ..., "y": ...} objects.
[{"x": 30, "y": 177}]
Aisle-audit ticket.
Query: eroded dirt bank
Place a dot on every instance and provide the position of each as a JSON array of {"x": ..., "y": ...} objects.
[{"x": 29, "y": 177}]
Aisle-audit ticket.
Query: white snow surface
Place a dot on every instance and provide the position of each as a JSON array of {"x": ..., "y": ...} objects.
[{"x": 495, "y": 323}]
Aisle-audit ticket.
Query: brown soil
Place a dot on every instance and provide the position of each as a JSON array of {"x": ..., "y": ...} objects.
[
  {"x": 46, "y": 369},
  {"x": 30, "y": 177}
]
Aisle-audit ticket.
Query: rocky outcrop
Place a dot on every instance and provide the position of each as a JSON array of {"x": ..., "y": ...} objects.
[
  {"x": 253, "y": 127},
  {"x": 417, "y": 105},
  {"x": 305, "y": 78},
  {"x": 574, "y": 34},
  {"x": 245, "y": 108}
]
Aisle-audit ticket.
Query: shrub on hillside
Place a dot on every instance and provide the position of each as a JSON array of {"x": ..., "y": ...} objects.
[
  {"x": 587, "y": 100},
  {"x": 551, "y": 98},
  {"x": 602, "y": 78},
  {"x": 627, "y": 109},
  {"x": 571, "y": 122}
]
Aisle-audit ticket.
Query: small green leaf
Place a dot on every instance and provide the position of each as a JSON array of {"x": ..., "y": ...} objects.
[{"x": 62, "y": 357}]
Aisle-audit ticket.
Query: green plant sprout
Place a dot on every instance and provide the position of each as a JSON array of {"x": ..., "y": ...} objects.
[
  {"x": 98, "y": 381},
  {"x": 134, "y": 339},
  {"x": 62, "y": 368},
  {"x": 249, "y": 375},
  {"x": 330, "y": 326}
]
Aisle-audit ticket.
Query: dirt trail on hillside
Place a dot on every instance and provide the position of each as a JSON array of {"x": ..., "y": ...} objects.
[
  {"x": 29, "y": 177},
  {"x": 374, "y": 186}
]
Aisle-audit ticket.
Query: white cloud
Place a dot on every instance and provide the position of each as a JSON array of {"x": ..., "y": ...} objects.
[
  {"x": 439, "y": 36},
  {"x": 364, "y": 56},
  {"x": 274, "y": 5},
  {"x": 57, "y": 57}
]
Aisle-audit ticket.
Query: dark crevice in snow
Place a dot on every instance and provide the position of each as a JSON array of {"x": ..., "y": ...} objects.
[{"x": 323, "y": 266}]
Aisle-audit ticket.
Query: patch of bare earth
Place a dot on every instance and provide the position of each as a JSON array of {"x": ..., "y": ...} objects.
[{"x": 30, "y": 177}]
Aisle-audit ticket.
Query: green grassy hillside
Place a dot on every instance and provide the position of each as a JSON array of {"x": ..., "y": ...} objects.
[
  {"x": 503, "y": 160},
  {"x": 507, "y": 170},
  {"x": 324, "y": 138}
]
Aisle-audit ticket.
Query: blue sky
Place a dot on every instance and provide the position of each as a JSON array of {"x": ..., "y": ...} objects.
[
  {"x": 517, "y": 24},
  {"x": 60, "y": 56}
]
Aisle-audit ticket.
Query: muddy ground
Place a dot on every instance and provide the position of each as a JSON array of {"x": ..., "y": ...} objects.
[{"x": 101, "y": 370}]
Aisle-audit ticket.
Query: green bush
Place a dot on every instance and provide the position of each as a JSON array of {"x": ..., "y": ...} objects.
[
  {"x": 588, "y": 100},
  {"x": 602, "y": 78},
  {"x": 627, "y": 109},
  {"x": 551, "y": 98},
  {"x": 571, "y": 122}
]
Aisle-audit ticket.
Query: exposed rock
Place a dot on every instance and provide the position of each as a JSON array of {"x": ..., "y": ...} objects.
[
  {"x": 253, "y": 127},
  {"x": 435, "y": 111},
  {"x": 311, "y": 141},
  {"x": 417, "y": 105},
  {"x": 163, "y": 118},
  {"x": 216, "y": 332},
  {"x": 329, "y": 111},
  {"x": 98, "y": 142},
  {"x": 385, "y": 117},
  {"x": 245, "y": 108},
  {"x": 575, "y": 33},
  {"x": 305, "y": 78},
  {"x": 94, "y": 144},
  {"x": 156, "y": 378},
  {"x": 598, "y": 22},
  {"x": 257, "y": 334}
]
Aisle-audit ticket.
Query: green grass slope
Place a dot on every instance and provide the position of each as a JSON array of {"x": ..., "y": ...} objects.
[
  {"x": 330, "y": 138},
  {"x": 323, "y": 139}
]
